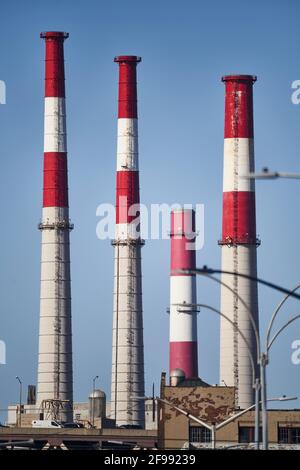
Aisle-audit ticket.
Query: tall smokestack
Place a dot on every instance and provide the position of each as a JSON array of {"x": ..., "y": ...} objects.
[
  {"x": 55, "y": 340},
  {"x": 128, "y": 349},
  {"x": 183, "y": 320},
  {"x": 239, "y": 242}
]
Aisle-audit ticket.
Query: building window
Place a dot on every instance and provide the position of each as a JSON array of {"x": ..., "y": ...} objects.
[
  {"x": 283, "y": 435},
  {"x": 247, "y": 434},
  {"x": 288, "y": 435},
  {"x": 296, "y": 436},
  {"x": 199, "y": 434}
]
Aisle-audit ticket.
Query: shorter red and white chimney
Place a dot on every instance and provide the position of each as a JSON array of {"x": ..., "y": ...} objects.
[{"x": 183, "y": 319}]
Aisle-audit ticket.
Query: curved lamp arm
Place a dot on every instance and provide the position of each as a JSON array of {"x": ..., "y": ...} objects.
[
  {"x": 242, "y": 335},
  {"x": 281, "y": 329},
  {"x": 246, "y": 307},
  {"x": 275, "y": 313}
]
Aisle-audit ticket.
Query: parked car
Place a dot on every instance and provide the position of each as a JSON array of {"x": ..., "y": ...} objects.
[
  {"x": 39, "y": 423},
  {"x": 130, "y": 426},
  {"x": 73, "y": 425}
]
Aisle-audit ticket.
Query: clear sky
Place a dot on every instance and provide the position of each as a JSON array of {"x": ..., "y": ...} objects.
[{"x": 186, "y": 47}]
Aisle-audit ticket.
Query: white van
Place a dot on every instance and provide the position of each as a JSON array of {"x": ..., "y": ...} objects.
[{"x": 38, "y": 423}]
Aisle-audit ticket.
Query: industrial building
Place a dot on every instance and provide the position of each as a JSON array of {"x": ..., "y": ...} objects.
[
  {"x": 166, "y": 427},
  {"x": 213, "y": 405},
  {"x": 95, "y": 413}
]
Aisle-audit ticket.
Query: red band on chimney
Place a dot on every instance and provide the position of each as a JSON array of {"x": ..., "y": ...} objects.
[
  {"x": 184, "y": 356},
  {"x": 55, "y": 180},
  {"x": 238, "y": 106},
  {"x": 54, "y": 64},
  {"x": 127, "y": 86},
  {"x": 239, "y": 217},
  {"x": 127, "y": 195},
  {"x": 183, "y": 254}
]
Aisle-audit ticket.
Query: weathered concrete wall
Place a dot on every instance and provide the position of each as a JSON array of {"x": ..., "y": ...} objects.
[{"x": 212, "y": 405}]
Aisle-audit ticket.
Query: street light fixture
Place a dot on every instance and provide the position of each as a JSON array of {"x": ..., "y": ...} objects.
[
  {"x": 255, "y": 380},
  {"x": 194, "y": 307},
  {"x": 266, "y": 174},
  {"x": 93, "y": 400},
  {"x": 205, "y": 270},
  {"x": 20, "y": 400},
  {"x": 263, "y": 356},
  {"x": 276, "y": 312}
]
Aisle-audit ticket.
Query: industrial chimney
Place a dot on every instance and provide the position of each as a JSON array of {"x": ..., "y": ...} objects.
[
  {"x": 183, "y": 296},
  {"x": 239, "y": 241},
  {"x": 128, "y": 349},
  {"x": 55, "y": 383}
]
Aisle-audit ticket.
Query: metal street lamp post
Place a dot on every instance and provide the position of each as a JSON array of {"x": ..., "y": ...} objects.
[
  {"x": 265, "y": 174},
  {"x": 263, "y": 356},
  {"x": 265, "y": 360},
  {"x": 20, "y": 400},
  {"x": 93, "y": 400},
  {"x": 255, "y": 380}
]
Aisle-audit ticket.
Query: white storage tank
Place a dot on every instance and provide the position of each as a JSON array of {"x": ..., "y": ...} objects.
[
  {"x": 176, "y": 376},
  {"x": 97, "y": 404}
]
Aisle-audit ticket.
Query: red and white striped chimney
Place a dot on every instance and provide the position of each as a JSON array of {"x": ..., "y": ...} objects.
[
  {"x": 183, "y": 319},
  {"x": 128, "y": 349},
  {"x": 55, "y": 380},
  {"x": 239, "y": 241}
]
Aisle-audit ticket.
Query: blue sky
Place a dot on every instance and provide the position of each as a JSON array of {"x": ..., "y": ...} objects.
[{"x": 186, "y": 47}]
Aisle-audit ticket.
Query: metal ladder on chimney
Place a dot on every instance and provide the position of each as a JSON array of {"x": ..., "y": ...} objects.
[
  {"x": 235, "y": 248},
  {"x": 57, "y": 320},
  {"x": 58, "y": 227},
  {"x": 131, "y": 312}
]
